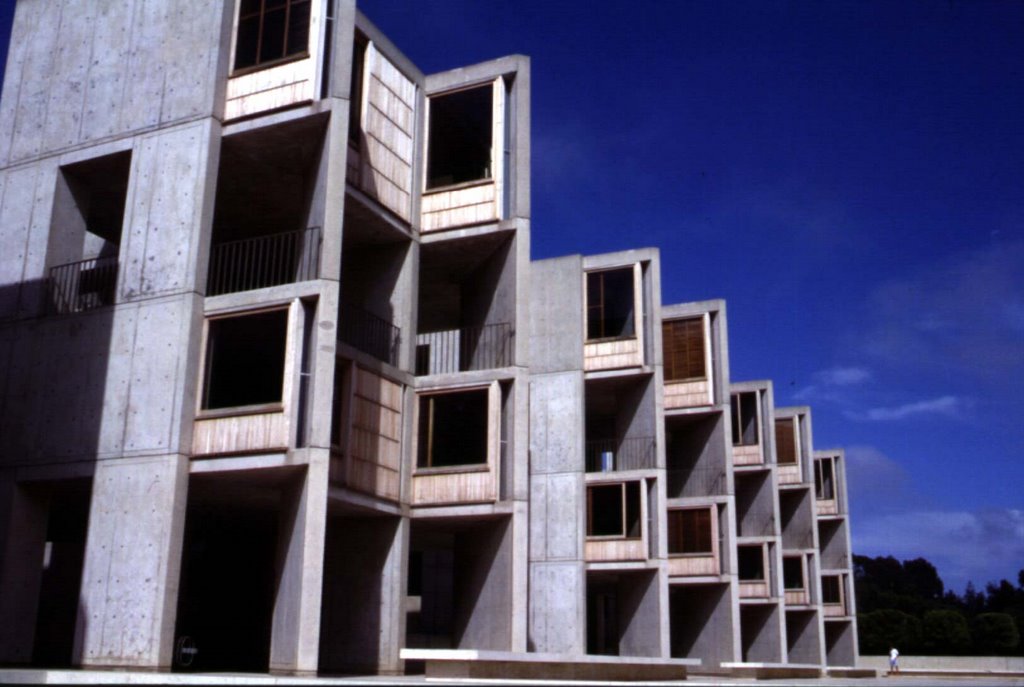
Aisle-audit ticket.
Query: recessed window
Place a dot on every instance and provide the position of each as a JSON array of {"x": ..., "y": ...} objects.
[
  {"x": 460, "y": 137},
  {"x": 453, "y": 429},
  {"x": 824, "y": 479},
  {"x": 613, "y": 510},
  {"x": 689, "y": 531},
  {"x": 751, "y": 563},
  {"x": 831, "y": 589},
  {"x": 793, "y": 572},
  {"x": 245, "y": 360},
  {"x": 744, "y": 419},
  {"x": 271, "y": 30},
  {"x": 683, "y": 343},
  {"x": 610, "y": 304},
  {"x": 785, "y": 442}
]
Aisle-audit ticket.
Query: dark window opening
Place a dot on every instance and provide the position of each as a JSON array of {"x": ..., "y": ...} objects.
[
  {"x": 684, "y": 354},
  {"x": 689, "y": 531},
  {"x": 460, "y": 137},
  {"x": 245, "y": 360},
  {"x": 793, "y": 572},
  {"x": 271, "y": 30},
  {"x": 613, "y": 510},
  {"x": 355, "y": 124},
  {"x": 744, "y": 419},
  {"x": 751, "y": 563},
  {"x": 824, "y": 483},
  {"x": 453, "y": 429},
  {"x": 831, "y": 589},
  {"x": 785, "y": 442},
  {"x": 610, "y": 304}
]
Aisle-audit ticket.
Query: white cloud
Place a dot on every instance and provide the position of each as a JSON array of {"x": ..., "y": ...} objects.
[
  {"x": 965, "y": 315},
  {"x": 979, "y": 546},
  {"x": 947, "y": 406},
  {"x": 842, "y": 376},
  {"x": 828, "y": 382}
]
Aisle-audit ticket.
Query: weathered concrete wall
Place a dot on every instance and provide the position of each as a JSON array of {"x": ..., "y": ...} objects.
[
  {"x": 1002, "y": 663},
  {"x": 80, "y": 71},
  {"x": 556, "y": 315},
  {"x": 557, "y": 506},
  {"x": 132, "y": 562}
]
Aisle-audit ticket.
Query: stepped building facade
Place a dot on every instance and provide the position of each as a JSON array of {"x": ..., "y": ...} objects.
[{"x": 282, "y": 391}]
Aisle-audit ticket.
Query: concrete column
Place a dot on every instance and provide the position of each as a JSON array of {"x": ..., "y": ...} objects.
[
  {"x": 132, "y": 563},
  {"x": 641, "y": 614},
  {"x": 23, "y": 528},
  {"x": 295, "y": 634}
]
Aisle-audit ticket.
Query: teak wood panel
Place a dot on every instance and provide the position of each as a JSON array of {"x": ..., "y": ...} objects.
[
  {"x": 833, "y": 610},
  {"x": 615, "y": 550},
  {"x": 478, "y": 483},
  {"x": 461, "y": 206},
  {"x": 753, "y": 590},
  {"x": 693, "y": 565},
  {"x": 375, "y": 440},
  {"x": 747, "y": 455},
  {"x": 240, "y": 434},
  {"x": 389, "y": 119},
  {"x": 453, "y": 488},
  {"x": 610, "y": 355},
  {"x": 687, "y": 394},
  {"x": 797, "y": 597},
  {"x": 827, "y": 507},
  {"x": 789, "y": 474},
  {"x": 271, "y": 88}
]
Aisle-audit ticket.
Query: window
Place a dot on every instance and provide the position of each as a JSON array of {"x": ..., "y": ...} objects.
[
  {"x": 610, "y": 304},
  {"x": 453, "y": 429},
  {"x": 689, "y": 531},
  {"x": 744, "y": 419},
  {"x": 460, "y": 137},
  {"x": 245, "y": 360},
  {"x": 831, "y": 589},
  {"x": 793, "y": 572},
  {"x": 785, "y": 441},
  {"x": 613, "y": 510},
  {"x": 751, "y": 563},
  {"x": 271, "y": 30},
  {"x": 824, "y": 479},
  {"x": 684, "y": 349}
]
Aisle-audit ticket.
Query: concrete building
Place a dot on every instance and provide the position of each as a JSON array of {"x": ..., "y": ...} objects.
[{"x": 282, "y": 390}]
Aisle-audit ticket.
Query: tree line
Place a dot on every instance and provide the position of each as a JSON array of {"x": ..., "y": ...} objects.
[{"x": 906, "y": 605}]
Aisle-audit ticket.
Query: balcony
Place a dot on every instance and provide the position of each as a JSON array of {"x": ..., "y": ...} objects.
[
  {"x": 83, "y": 285},
  {"x": 691, "y": 481},
  {"x": 632, "y": 453},
  {"x": 368, "y": 333},
  {"x": 461, "y": 350},
  {"x": 263, "y": 261}
]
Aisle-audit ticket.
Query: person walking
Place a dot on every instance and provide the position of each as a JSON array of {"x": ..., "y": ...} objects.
[{"x": 894, "y": 660}]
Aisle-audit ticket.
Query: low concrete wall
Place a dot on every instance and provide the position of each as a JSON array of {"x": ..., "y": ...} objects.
[{"x": 1013, "y": 664}]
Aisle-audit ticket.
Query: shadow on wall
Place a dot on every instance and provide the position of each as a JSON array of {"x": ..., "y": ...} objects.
[{"x": 53, "y": 388}]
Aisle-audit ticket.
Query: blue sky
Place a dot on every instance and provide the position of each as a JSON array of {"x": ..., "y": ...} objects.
[{"x": 849, "y": 176}]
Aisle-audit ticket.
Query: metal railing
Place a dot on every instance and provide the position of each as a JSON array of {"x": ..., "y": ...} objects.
[
  {"x": 692, "y": 480},
  {"x": 369, "y": 333},
  {"x": 82, "y": 285},
  {"x": 262, "y": 261},
  {"x": 632, "y": 453},
  {"x": 468, "y": 348}
]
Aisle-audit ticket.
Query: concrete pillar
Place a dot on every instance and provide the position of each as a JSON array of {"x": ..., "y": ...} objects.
[
  {"x": 132, "y": 563},
  {"x": 641, "y": 614},
  {"x": 23, "y": 532},
  {"x": 295, "y": 634}
]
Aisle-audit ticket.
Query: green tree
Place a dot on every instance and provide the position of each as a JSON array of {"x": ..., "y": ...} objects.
[
  {"x": 994, "y": 634},
  {"x": 880, "y": 630},
  {"x": 945, "y": 633}
]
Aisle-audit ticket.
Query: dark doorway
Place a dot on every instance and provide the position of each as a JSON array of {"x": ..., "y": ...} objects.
[{"x": 225, "y": 606}]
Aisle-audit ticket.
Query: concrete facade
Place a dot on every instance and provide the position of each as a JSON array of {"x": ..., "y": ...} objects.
[{"x": 283, "y": 391}]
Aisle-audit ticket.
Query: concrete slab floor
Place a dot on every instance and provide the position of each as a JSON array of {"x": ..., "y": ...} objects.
[{"x": 102, "y": 677}]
